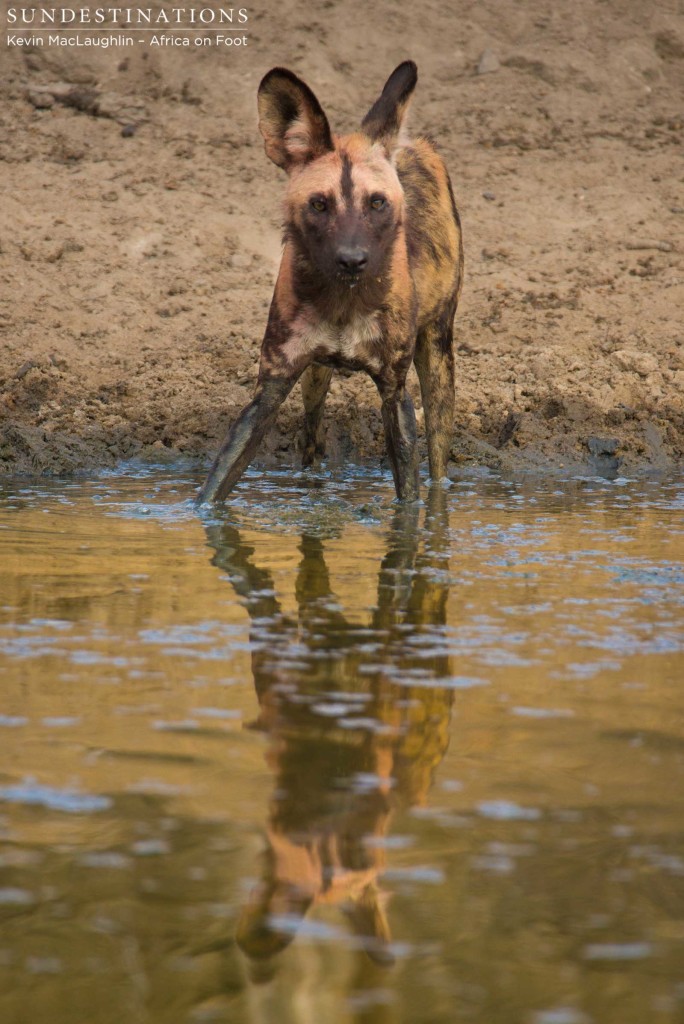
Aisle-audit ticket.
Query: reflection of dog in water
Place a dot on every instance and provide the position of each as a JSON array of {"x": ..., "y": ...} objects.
[{"x": 350, "y": 737}]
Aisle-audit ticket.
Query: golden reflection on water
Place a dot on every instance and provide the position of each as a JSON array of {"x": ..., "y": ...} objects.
[{"x": 323, "y": 758}]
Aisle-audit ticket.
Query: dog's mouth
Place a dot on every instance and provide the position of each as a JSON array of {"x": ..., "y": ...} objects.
[{"x": 350, "y": 277}]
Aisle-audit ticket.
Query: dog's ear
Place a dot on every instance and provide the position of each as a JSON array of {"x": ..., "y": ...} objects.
[
  {"x": 291, "y": 120},
  {"x": 369, "y": 921},
  {"x": 383, "y": 121},
  {"x": 268, "y": 921}
]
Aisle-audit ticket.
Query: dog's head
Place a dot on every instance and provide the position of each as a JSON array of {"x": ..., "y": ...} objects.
[{"x": 344, "y": 202}]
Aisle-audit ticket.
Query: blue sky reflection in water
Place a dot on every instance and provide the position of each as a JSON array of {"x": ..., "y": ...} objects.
[{"x": 317, "y": 757}]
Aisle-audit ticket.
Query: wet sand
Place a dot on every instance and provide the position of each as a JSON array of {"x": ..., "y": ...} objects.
[{"x": 136, "y": 270}]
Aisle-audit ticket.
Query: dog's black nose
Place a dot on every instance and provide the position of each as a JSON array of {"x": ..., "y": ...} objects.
[{"x": 352, "y": 261}]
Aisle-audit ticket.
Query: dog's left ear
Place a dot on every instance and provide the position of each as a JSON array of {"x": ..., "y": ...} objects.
[
  {"x": 383, "y": 121},
  {"x": 260, "y": 934},
  {"x": 291, "y": 120}
]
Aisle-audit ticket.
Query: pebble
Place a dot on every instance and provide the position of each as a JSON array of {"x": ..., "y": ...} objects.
[
  {"x": 489, "y": 195},
  {"x": 39, "y": 99},
  {"x": 239, "y": 259},
  {"x": 649, "y": 243},
  {"x": 488, "y": 63},
  {"x": 30, "y": 364}
]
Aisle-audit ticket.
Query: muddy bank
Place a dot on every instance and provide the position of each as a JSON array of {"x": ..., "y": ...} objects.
[{"x": 139, "y": 234}]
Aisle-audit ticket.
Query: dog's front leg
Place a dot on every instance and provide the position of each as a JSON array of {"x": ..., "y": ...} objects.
[
  {"x": 246, "y": 433},
  {"x": 399, "y": 419}
]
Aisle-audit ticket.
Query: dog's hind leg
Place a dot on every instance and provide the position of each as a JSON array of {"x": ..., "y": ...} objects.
[
  {"x": 434, "y": 360},
  {"x": 315, "y": 384},
  {"x": 399, "y": 420}
]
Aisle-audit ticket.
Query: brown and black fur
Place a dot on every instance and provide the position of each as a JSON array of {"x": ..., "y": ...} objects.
[{"x": 369, "y": 280}]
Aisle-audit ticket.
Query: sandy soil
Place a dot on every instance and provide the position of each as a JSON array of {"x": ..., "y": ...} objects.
[{"x": 136, "y": 269}]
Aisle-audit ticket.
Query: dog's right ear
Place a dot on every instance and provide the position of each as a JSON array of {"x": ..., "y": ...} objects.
[
  {"x": 291, "y": 120},
  {"x": 384, "y": 120}
]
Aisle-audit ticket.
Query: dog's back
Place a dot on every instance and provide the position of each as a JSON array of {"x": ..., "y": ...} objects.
[{"x": 433, "y": 229}]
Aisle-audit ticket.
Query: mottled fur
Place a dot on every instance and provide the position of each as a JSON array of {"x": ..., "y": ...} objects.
[{"x": 370, "y": 277}]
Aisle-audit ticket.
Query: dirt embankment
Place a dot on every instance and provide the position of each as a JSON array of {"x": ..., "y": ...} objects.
[{"x": 136, "y": 267}]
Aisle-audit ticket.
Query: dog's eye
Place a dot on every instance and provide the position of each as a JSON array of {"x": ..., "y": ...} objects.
[
  {"x": 378, "y": 202},
  {"x": 319, "y": 205}
]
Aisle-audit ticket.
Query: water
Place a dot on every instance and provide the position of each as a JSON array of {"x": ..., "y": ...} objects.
[{"x": 318, "y": 758}]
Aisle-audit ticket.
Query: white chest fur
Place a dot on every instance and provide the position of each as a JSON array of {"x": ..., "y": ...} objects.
[{"x": 353, "y": 342}]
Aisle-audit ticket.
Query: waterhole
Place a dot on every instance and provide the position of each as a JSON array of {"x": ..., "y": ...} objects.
[{"x": 318, "y": 757}]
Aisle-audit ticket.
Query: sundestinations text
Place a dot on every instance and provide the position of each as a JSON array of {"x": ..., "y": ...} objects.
[{"x": 126, "y": 16}]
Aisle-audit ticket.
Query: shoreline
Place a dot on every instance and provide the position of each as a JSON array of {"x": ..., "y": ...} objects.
[{"x": 64, "y": 456}]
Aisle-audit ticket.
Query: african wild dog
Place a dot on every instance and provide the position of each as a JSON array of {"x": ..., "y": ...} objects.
[{"x": 369, "y": 280}]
